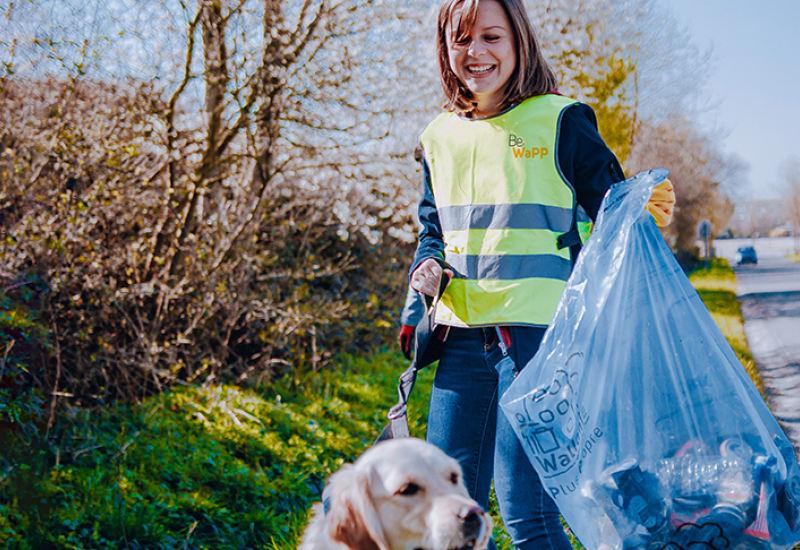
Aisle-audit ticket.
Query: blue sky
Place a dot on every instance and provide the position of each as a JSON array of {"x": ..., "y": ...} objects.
[{"x": 756, "y": 79}]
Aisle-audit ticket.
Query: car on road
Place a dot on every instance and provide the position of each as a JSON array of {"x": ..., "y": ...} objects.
[{"x": 746, "y": 255}]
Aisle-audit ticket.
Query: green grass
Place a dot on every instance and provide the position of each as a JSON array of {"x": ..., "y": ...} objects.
[
  {"x": 719, "y": 276},
  {"x": 217, "y": 467}
]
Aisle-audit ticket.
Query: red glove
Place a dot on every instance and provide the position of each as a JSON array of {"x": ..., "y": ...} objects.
[{"x": 407, "y": 340}]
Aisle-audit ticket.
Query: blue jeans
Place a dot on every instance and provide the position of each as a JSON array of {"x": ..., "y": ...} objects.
[{"x": 464, "y": 421}]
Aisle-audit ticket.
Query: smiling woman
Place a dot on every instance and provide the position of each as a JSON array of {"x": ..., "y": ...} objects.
[
  {"x": 505, "y": 169},
  {"x": 502, "y": 46},
  {"x": 484, "y": 58},
  {"x": 508, "y": 169}
]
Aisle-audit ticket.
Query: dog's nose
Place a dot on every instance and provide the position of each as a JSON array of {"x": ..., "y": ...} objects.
[
  {"x": 469, "y": 511},
  {"x": 472, "y": 519}
]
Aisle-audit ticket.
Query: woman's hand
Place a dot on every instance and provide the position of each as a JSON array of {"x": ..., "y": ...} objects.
[
  {"x": 428, "y": 276},
  {"x": 662, "y": 203}
]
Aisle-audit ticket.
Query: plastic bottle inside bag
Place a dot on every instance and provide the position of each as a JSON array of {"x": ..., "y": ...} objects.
[{"x": 725, "y": 478}]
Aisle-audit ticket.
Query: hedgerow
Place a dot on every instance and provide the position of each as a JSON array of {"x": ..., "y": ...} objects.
[{"x": 256, "y": 287}]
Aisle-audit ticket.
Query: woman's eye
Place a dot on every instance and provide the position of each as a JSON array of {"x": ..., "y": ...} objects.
[
  {"x": 492, "y": 38},
  {"x": 410, "y": 489}
]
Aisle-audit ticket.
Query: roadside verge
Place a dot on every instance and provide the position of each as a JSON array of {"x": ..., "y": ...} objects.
[{"x": 717, "y": 288}]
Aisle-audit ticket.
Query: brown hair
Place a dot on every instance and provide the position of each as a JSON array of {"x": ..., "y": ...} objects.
[{"x": 531, "y": 77}]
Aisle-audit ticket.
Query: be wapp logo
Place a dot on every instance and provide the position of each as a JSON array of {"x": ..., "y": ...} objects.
[
  {"x": 520, "y": 150},
  {"x": 556, "y": 432}
]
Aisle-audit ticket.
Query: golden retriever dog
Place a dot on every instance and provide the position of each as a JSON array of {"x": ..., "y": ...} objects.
[{"x": 401, "y": 494}]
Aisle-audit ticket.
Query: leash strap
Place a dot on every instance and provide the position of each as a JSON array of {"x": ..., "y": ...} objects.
[{"x": 398, "y": 414}]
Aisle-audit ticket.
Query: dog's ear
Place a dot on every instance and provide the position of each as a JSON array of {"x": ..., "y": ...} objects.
[{"x": 352, "y": 519}]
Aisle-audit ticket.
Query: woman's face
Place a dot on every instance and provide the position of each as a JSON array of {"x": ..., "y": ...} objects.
[{"x": 485, "y": 59}]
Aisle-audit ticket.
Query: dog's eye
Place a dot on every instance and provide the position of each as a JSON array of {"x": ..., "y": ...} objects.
[
  {"x": 454, "y": 478},
  {"x": 410, "y": 489}
]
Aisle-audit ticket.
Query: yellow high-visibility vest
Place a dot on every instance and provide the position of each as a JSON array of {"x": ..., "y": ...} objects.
[{"x": 502, "y": 203}]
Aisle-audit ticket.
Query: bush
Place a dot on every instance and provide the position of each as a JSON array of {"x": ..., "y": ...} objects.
[
  {"x": 23, "y": 348},
  {"x": 251, "y": 287}
]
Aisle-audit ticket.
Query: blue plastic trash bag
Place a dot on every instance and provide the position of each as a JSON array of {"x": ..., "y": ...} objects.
[{"x": 637, "y": 414}]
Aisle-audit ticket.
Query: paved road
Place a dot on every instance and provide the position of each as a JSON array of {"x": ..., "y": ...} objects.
[{"x": 770, "y": 297}]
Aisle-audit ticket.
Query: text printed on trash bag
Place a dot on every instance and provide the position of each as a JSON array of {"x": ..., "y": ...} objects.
[{"x": 553, "y": 427}]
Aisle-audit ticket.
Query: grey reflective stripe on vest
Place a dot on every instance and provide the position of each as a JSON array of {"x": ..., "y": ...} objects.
[
  {"x": 509, "y": 266},
  {"x": 504, "y": 216}
]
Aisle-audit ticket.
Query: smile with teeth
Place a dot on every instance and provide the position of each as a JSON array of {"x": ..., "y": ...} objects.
[{"x": 480, "y": 69}]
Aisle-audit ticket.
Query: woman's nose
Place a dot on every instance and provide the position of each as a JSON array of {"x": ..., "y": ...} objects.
[{"x": 476, "y": 48}]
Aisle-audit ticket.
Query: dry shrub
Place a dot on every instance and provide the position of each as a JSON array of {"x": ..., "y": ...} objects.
[{"x": 257, "y": 287}]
